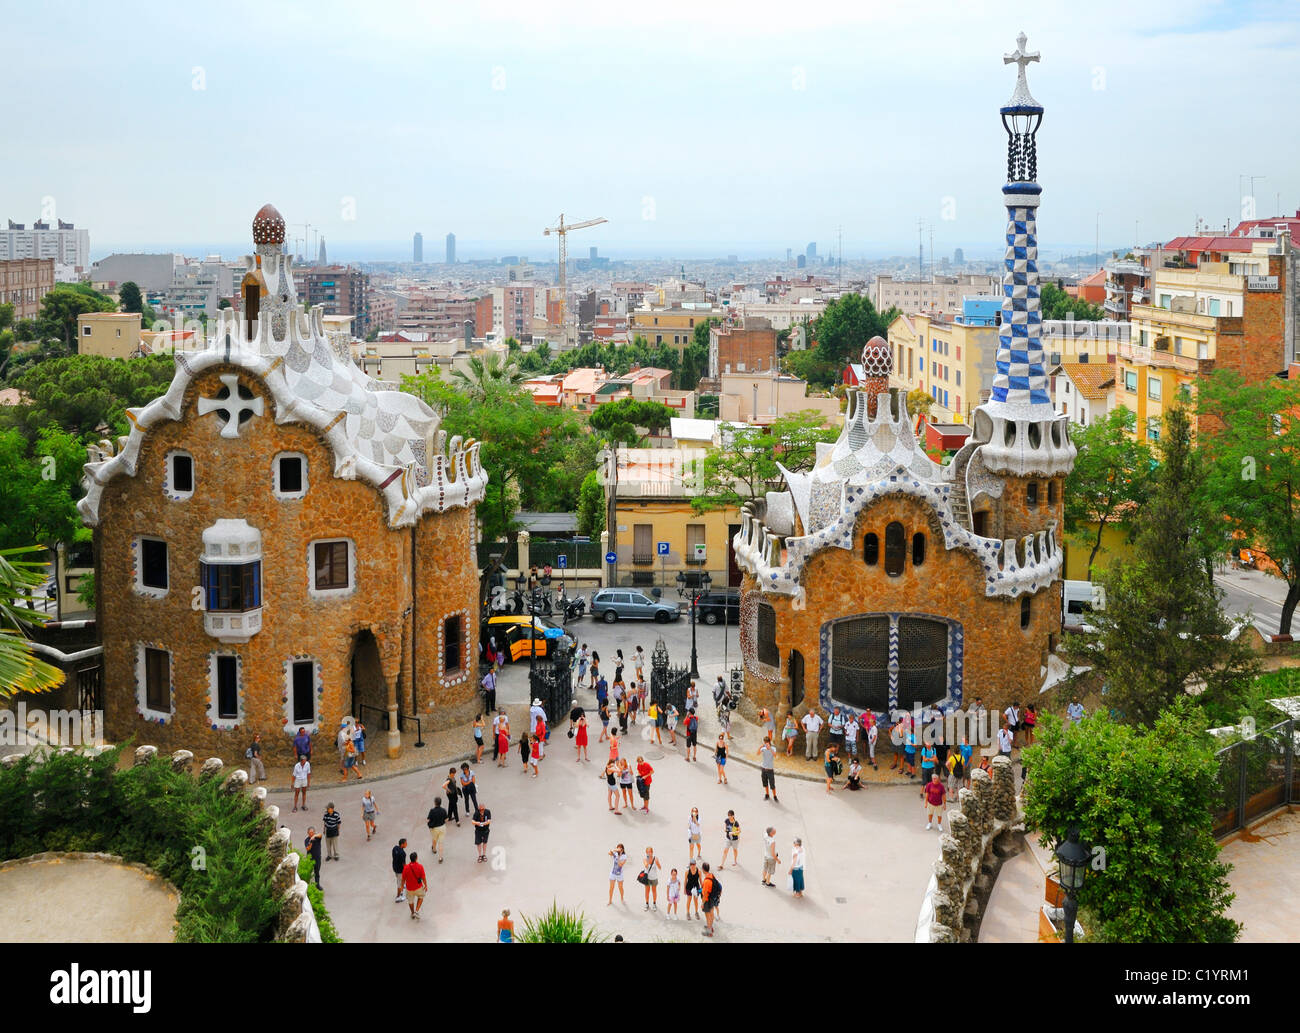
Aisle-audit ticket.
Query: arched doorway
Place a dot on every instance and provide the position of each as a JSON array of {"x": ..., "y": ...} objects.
[
  {"x": 368, "y": 686},
  {"x": 796, "y": 678}
]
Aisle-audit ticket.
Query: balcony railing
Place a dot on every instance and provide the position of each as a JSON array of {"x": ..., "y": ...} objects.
[
  {"x": 1125, "y": 266},
  {"x": 1165, "y": 357}
]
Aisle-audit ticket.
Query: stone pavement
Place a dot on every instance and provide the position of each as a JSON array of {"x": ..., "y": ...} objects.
[
  {"x": 869, "y": 855},
  {"x": 46, "y": 901},
  {"x": 1266, "y": 870}
]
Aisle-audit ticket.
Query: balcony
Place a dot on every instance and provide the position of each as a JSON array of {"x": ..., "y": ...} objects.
[
  {"x": 1117, "y": 305},
  {"x": 1163, "y": 357},
  {"x": 1125, "y": 267}
]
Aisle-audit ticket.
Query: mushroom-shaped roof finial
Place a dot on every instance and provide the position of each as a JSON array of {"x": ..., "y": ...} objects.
[{"x": 268, "y": 226}]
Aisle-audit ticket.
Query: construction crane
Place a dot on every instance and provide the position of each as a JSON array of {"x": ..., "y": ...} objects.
[{"x": 562, "y": 231}]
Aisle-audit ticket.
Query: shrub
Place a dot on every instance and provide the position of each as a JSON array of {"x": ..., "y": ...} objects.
[
  {"x": 559, "y": 925},
  {"x": 306, "y": 866}
]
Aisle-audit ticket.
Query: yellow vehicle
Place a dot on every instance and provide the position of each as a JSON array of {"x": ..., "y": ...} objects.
[{"x": 512, "y": 632}]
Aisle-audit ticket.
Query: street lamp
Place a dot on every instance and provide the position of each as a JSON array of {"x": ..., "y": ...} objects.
[
  {"x": 521, "y": 583},
  {"x": 1072, "y": 866},
  {"x": 703, "y": 585}
]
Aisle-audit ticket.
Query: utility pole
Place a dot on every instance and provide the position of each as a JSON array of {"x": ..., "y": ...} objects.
[
  {"x": 920, "y": 252},
  {"x": 1096, "y": 247}
]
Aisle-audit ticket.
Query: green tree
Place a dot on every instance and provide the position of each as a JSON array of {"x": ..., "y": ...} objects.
[
  {"x": 919, "y": 403},
  {"x": 1250, "y": 433},
  {"x": 1110, "y": 479},
  {"x": 1056, "y": 304},
  {"x": 521, "y": 441},
  {"x": 809, "y": 366},
  {"x": 1145, "y": 797},
  {"x": 693, "y": 365},
  {"x": 621, "y": 421},
  {"x": 61, "y": 308},
  {"x": 591, "y": 505},
  {"x": 746, "y": 465},
  {"x": 542, "y": 351},
  {"x": 78, "y": 393},
  {"x": 130, "y": 298},
  {"x": 1162, "y": 631},
  {"x": 21, "y": 574},
  {"x": 484, "y": 373},
  {"x": 39, "y": 488},
  {"x": 846, "y": 325}
]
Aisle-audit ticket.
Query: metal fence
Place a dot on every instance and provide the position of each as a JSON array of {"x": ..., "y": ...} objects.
[
  {"x": 551, "y": 681},
  {"x": 579, "y": 554},
  {"x": 668, "y": 683},
  {"x": 486, "y": 550},
  {"x": 1255, "y": 776}
]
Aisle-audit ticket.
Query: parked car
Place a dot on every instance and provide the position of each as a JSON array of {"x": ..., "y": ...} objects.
[
  {"x": 519, "y": 639},
  {"x": 609, "y": 604},
  {"x": 719, "y": 607}
]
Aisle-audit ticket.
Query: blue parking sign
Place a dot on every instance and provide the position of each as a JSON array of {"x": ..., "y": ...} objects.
[
  {"x": 611, "y": 557},
  {"x": 561, "y": 560},
  {"x": 661, "y": 548}
]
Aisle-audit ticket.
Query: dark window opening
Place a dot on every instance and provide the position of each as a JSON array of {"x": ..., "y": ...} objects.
[
  {"x": 1024, "y": 612},
  {"x": 304, "y": 692},
  {"x": 922, "y": 660},
  {"x": 918, "y": 549},
  {"x": 895, "y": 549},
  {"x": 243, "y": 394},
  {"x": 451, "y": 639},
  {"x": 232, "y": 587},
  {"x": 1031, "y": 493},
  {"x": 860, "y": 663},
  {"x": 182, "y": 473},
  {"x": 1051, "y": 493},
  {"x": 158, "y": 680},
  {"x": 331, "y": 565},
  {"x": 228, "y": 688},
  {"x": 767, "y": 651},
  {"x": 153, "y": 563},
  {"x": 871, "y": 549},
  {"x": 981, "y": 526},
  {"x": 796, "y": 678},
  {"x": 290, "y": 475}
]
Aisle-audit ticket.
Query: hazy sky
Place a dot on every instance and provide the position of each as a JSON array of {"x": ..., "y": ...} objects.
[{"x": 694, "y": 127}]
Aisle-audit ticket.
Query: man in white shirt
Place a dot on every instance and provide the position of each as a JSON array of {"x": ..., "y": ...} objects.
[
  {"x": 770, "y": 858},
  {"x": 1012, "y": 714},
  {"x": 812, "y": 726},
  {"x": 1074, "y": 711},
  {"x": 1005, "y": 739}
]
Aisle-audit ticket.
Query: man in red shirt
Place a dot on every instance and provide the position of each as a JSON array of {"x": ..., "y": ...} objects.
[
  {"x": 643, "y": 773},
  {"x": 416, "y": 884},
  {"x": 934, "y": 793}
]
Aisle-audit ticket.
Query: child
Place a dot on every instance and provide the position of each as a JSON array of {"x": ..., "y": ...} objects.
[
  {"x": 535, "y": 754},
  {"x": 622, "y": 714},
  {"x": 633, "y": 704},
  {"x": 674, "y": 893}
]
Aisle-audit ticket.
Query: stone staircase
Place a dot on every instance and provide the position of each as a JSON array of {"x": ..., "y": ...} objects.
[{"x": 957, "y": 497}]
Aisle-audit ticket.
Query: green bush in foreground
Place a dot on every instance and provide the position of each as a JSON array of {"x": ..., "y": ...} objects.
[
  {"x": 306, "y": 868},
  {"x": 1144, "y": 796},
  {"x": 210, "y": 845},
  {"x": 559, "y": 925}
]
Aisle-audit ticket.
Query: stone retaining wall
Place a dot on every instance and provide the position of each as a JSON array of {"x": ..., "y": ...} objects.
[{"x": 985, "y": 811}]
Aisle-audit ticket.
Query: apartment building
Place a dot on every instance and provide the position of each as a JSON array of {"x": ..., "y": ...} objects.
[
  {"x": 952, "y": 358},
  {"x": 67, "y": 245},
  {"x": 112, "y": 334},
  {"x": 746, "y": 348},
  {"x": 936, "y": 295},
  {"x": 24, "y": 282},
  {"x": 340, "y": 290}
]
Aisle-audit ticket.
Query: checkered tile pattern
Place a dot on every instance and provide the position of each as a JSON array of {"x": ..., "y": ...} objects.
[{"x": 1021, "y": 377}]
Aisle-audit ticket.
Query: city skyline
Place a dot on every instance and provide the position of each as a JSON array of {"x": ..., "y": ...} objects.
[{"x": 807, "y": 136}]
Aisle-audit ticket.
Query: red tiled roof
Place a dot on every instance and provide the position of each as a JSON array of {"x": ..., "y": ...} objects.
[{"x": 1211, "y": 244}]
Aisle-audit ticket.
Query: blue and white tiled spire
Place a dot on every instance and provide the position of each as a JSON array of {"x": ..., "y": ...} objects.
[{"x": 1020, "y": 388}]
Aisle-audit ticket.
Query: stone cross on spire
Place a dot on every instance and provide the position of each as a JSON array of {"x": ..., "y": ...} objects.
[{"x": 1021, "y": 97}]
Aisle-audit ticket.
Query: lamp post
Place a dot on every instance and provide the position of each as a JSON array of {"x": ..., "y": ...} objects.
[
  {"x": 704, "y": 584},
  {"x": 521, "y": 583},
  {"x": 1072, "y": 866}
]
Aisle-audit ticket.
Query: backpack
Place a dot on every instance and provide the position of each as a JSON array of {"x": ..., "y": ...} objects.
[
  {"x": 715, "y": 893},
  {"x": 248, "y": 753}
]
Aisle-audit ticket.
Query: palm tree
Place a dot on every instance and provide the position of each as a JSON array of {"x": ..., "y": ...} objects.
[
  {"x": 20, "y": 670},
  {"x": 483, "y": 374}
]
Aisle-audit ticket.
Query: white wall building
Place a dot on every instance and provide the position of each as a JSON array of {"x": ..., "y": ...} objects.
[{"x": 67, "y": 245}]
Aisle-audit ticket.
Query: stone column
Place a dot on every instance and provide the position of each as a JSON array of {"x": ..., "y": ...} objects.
[
  {"x": 522, "y": 552},
  {"x": 604, "y": 567}
]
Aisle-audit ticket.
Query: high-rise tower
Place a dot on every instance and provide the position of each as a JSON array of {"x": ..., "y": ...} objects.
[
  {"x": 418, "y": 249},
  {"x": 451, "y": 249}
]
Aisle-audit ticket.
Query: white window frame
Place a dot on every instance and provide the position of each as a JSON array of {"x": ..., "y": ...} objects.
[
  {"x": 290, "y": 726},
  {"x": 142, "y": 690},
  {"x": 275, "y": 476},
  {"x": 1154, "y": 388},
  {"x": 214, "y": 717},
  {"x": 137, "y": 562},
  {"x": 169, "y": 477},
  {"x": 331, "y": 593}
]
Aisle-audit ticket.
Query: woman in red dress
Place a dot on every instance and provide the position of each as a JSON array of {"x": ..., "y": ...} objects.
[{"x": 580, "y": 739}]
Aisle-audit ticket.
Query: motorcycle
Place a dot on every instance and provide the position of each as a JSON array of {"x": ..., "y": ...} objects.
[{"x": 572, "y": 608}]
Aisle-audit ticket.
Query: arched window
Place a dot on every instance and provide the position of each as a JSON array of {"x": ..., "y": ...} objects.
[
  {"x": 1024, "y": 612},
  {"x": 918, "y": 549},
  {"x": 871, "y": 549},
  {"x": 1031, "y": 493},
  {"x": 895, "y": 549}
]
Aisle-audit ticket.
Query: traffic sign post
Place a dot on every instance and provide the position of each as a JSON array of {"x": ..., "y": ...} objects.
[
  {"x": 611, "y": 558},
  {"x": 662, "y": 549},
  {"x": 562, "y": 561}
]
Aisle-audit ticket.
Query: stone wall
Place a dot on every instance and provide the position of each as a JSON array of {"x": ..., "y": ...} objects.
[
  {"x": 985, "y": 811},
  {"x": 1001, "y": 661}
]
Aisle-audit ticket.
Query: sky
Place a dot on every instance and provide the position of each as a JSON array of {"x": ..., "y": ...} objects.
[{"x": 696, "y": 129}]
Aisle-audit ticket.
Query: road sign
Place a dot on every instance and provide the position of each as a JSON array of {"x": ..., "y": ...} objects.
[
  {"x": 611, "y": 557},
  {"x": 661, "y": 548},
  {"x": 562, "y": 561}
]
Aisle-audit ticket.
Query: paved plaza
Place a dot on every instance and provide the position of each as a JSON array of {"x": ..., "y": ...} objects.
[{"x": 868, "y": 854}]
